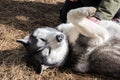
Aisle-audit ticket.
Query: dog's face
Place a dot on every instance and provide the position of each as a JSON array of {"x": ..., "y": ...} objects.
[{"x": 48, "y": 45}]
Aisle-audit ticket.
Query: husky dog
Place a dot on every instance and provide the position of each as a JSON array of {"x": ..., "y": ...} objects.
[
  {"x": 47, "y": 47},
  {"x": 80, "y": 44}
]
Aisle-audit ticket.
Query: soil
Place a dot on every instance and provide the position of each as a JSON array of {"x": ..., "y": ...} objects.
[{"x": 19, "y": 18}]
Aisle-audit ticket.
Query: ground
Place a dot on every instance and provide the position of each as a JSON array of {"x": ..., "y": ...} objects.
[{"x": 19, "y": 18}]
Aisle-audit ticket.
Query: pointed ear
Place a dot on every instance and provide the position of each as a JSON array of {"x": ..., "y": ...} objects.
[{"x": 23, "y": 41}]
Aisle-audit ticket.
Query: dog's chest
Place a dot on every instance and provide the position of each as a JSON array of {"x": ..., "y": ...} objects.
[{"x": 79, "y": 53}]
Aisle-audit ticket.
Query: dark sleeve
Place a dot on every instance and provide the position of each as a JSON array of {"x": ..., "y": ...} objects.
[{"x": 107, "y": 9}]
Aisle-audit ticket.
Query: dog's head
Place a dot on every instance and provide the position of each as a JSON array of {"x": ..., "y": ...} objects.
[{"x": 47, "y": 45}]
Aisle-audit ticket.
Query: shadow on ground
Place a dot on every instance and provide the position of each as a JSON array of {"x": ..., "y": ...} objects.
[{"x": 28, "y": 15}]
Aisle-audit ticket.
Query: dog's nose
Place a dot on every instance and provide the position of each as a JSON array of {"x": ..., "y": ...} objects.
[{"x": 59, "y": 37}]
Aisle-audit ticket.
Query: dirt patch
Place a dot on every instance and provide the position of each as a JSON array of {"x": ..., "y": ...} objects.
[{"x": 17, "y": 19}]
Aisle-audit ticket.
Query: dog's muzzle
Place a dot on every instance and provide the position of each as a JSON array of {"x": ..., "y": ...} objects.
[{"x": 41, "y": 49}]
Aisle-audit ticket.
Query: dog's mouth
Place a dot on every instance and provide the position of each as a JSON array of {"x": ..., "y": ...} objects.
[
  {"x": 45, "y": 49},
  {"x": 36, "y": 60}
]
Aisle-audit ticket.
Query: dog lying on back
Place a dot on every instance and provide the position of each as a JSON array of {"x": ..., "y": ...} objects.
[{"x": 80, "y": 44}]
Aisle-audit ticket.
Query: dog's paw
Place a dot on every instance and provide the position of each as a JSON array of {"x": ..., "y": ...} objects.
[
  {"x": 86, "y": 11},
  {"x": 80, "y": 13},
  {"x": 91, "y": 11}
]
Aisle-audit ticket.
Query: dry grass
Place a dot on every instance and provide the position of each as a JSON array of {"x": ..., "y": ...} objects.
[{"x": 17, "y": 19}]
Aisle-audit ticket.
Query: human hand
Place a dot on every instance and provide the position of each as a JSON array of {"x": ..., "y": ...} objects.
[
  {"x": 94, "y": 19},
  {"x": 73, "y": 0},
  {"x": 116, "y": 20}
]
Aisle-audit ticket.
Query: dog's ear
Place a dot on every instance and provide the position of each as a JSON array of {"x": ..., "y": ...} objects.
[{"x": 23, "y": 41}]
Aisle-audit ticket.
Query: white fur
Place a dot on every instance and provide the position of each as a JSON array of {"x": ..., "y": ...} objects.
[
  {"x": 58, "y": 49},
  {"x": 58, "y": 55},
  {"x": 100, "y": 33}
]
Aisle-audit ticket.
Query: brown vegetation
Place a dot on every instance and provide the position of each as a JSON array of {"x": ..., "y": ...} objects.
[{"x": 17, "y": 19}]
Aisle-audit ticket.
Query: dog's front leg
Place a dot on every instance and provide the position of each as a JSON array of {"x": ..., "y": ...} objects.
[{"x": 78, "y": 17}]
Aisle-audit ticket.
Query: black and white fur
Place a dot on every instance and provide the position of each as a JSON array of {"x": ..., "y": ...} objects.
[
  {"x": 47, "y": 47},
  {"x": 92, "y": 47}
]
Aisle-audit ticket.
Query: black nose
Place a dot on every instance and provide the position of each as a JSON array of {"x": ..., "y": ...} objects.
[{"x": 59, "y": 37}]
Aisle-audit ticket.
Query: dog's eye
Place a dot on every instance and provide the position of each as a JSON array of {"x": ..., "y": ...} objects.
[{"x": 44, "y": 40}]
